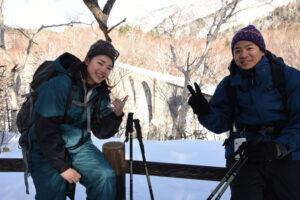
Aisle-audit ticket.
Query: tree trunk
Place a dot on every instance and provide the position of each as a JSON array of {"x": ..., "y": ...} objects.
[
  {"x": 182, "y": 113},
  {"x": 100, "y": 17},
  {"x": 175, "y": 128},
  {"x": 7, "y": 115},
  {"x": 174, "y": 102},
  {"x": 2, "y": 30},
  {"x": 182, "y": 121},
  {"x": 148, "y": 96},
  {"x": 14, "y": 106}
]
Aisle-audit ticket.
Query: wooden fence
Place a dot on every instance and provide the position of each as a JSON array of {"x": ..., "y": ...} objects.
[{"x": 115, "y": 154}]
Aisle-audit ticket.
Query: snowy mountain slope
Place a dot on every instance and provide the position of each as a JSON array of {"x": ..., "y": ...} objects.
[
  {"x": 192, "y": 19},
  {"x": 182, "y": 14}
]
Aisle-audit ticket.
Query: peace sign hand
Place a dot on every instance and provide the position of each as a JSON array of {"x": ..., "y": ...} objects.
[{"x": 197, "y": 101}]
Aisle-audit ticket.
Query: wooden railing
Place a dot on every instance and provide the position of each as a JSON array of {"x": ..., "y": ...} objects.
[{"x": 115, "y": 154}]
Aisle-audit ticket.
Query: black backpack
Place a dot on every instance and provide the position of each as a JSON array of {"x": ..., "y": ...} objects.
[
  {"x": 277, "y": 70},
  {"x": 44, "y": 72}
]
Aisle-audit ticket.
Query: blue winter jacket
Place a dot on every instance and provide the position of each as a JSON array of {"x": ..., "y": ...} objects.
[
  {"x": 260, "y": 103},
  {"x": 53, "y": 130}
]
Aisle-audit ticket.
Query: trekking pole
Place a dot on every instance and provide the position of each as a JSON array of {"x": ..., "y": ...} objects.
[
  {"x": 228, "y": 176},
  {"x": 139, "y": 137},
  {"x": 129, "y": 130},
  {"x": 231, "y": 174}
]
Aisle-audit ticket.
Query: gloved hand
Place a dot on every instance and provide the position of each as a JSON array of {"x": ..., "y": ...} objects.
[
  {"x": 261, "y": 153},
  {"x": 197, "y": 101}
]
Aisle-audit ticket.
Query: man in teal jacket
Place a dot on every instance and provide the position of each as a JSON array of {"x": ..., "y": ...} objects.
[
  {"x": 62, "y": 151},
  {"x": 272, "y": 169}
]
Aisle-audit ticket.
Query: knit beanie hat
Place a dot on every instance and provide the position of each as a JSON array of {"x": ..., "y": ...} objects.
[
  {"x": 102, "y": 47},
  {"x": 249, "y": 33}
]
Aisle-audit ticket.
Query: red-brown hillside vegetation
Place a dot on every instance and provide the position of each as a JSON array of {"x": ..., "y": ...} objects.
[{"x": 146, "y": 50}]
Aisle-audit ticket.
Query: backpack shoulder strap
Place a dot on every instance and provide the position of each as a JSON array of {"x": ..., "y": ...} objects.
[
  {"x": 231, "y": 93},
  {"x": 71, "y": 94},
  {"x": 232, "y": 96},
  {"x": 278, "y": 77},
  {"x": 74, "y": 87}
]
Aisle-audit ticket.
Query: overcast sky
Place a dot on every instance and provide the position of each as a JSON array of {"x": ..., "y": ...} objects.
[{"x": 34, "y": 13}]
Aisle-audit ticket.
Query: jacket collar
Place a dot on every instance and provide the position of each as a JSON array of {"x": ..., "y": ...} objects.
[
  {"x": 258, "y": 73},
  {"x": 101, "y": 87}
]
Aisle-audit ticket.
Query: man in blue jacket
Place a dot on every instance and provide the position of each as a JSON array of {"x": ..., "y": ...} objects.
[{"x": 256, "y": 106}]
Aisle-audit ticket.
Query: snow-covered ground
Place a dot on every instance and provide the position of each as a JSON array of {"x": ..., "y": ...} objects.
[{"x": 196, "y": 152}]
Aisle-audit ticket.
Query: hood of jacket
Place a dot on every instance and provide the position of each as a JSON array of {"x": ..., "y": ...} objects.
[{"x": 67, "y": 63}]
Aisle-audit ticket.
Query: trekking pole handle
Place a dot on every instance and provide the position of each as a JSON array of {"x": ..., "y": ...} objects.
[
  {"x": 130, "y": 122},
  {"x": 129, "y": 126}
]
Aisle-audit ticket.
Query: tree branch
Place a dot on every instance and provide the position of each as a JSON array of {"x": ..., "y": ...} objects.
[
  {"x": 124, "y": 20},
  {"x": 102, "y": 16},
  {"x": 31, "y": 41},
  {"x": 108, "y": 6}
]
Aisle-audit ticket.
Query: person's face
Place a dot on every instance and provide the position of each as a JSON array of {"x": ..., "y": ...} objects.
[
  {"x": 246, "y": 54},
  {"x": 98, "y": 69}
]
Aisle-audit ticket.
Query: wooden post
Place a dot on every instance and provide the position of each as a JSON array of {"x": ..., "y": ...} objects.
[{"x": 114, "y": 152}]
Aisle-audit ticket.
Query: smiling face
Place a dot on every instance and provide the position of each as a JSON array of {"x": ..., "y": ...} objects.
[
  {"x": 246, "y": 54},
  {"x": 98, "y": 69}
]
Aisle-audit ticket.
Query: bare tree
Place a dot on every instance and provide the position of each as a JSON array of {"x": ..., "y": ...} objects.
[
  {"x": 7, "y": 57},
  {"x": 12, "y": 70},
  {"x": 32, "y": 35},
  {"x": 102, "y": 16}
]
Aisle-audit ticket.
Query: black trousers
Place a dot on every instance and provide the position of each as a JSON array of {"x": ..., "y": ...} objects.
[{"x": 278, "y": 180}]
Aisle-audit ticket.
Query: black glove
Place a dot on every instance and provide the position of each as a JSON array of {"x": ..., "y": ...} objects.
[
  {"x": 197, "y": 101},
  {"x": 262, "y": 152}
]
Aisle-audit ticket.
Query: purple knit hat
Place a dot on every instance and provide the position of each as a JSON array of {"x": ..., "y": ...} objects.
[{"x": 249, "y": 33}]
